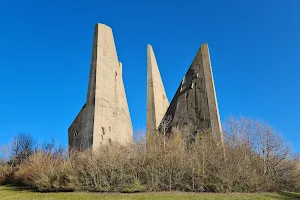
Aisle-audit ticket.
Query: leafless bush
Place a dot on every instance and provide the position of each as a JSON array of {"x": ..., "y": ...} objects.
[
  {"x": 256, "y": 159},
  {"x": 107, "y": 169},
  {"x": 22, "y": 148},
  {"x": 4, "y": 173},
  {"x": 5, "y": 168},
  {"x": 45, "y": 171},
  {"x": 260, "y": 155}
]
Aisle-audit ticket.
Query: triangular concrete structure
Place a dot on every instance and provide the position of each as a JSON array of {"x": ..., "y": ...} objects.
[
  {"x": 105, "y": 118},
  {"x": 157, "y": 101},
  {"x": 195, "y": 103}
]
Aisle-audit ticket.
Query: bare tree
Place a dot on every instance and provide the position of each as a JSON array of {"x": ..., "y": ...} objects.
[
  {"x": 164, "y": 127},
  {"x": 4, "y": 152},
  {"x": 22, "y": 147},
  {"x": 260, "y": 145}
]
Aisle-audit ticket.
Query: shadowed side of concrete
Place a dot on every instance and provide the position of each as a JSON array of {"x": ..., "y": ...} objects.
[{"x": 195, "y": 104}]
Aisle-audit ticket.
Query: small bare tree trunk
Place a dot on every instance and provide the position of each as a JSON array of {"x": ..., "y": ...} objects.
[
  {"x": 170, "y": 181},
  {"x": 203, "y": 158},
  {"x": 193, "y": 176},
  {"x": 164, "y": 140}
]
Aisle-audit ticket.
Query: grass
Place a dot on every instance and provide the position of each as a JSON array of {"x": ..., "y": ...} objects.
[{"x": 10, "y": 192}]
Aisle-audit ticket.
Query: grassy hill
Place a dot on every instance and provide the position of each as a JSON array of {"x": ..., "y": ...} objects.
[{"x": 10, "y": 192}]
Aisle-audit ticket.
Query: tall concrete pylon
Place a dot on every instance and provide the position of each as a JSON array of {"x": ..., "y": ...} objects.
[
  {"x": 157, "y": 101},
  {"x": 105, "y": 118},
  {"x": 194, "y": 105}
]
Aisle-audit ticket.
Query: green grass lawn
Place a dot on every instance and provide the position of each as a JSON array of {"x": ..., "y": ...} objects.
[{"x": 9, "y": 192}]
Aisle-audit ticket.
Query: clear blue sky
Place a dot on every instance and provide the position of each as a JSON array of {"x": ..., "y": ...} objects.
[{"x": 45, "y": 53}]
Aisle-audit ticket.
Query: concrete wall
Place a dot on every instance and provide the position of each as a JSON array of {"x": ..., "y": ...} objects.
[
  {"x": 77, "y": 137},
  {"x": 107, "y": 118},
  {"x": 112, "y": 121},
  {"x": 157, "y": 101},
  {"x": 211, "y": 92},
  {"x": 194, "y": 105}
]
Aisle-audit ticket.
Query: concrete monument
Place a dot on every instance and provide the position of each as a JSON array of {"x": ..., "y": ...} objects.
[
  {"x": 194, "y": 105},
  {"x": 157, "y": 101},
  {"x": 104, "y": 118}
]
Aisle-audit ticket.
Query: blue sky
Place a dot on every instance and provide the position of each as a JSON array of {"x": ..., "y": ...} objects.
[{"x": 45, "y": 53}]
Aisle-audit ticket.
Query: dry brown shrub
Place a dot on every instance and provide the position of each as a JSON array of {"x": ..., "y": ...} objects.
[
  {"x": 110, "y": 168},
  {"x": 45, "y": 172},
  {"x": 253, "y": 158},
  {"x": 4, "y": 173}
]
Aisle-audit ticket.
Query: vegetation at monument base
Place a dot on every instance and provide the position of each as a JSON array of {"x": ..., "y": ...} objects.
[{"x": 254, "y": 158}]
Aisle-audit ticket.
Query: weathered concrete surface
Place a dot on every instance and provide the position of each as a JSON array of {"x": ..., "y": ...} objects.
[
  {"x": 81, "y": 141},
  {"x": 157, "y": 101},
  {"x": 194, "y": 105},
  {"x": 105, "y": 117}
]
